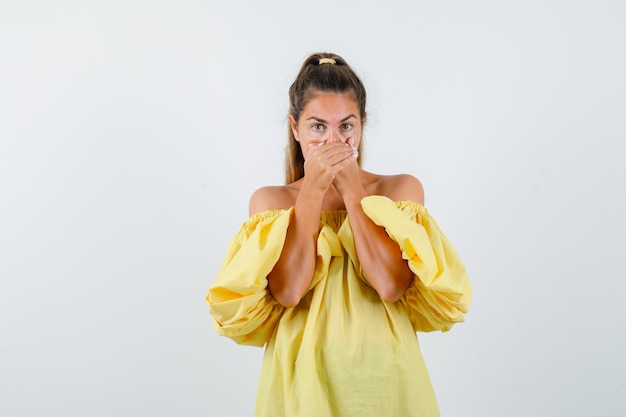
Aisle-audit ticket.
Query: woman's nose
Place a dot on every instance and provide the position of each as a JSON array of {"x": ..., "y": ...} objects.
[{"x": 336, "y": 137}]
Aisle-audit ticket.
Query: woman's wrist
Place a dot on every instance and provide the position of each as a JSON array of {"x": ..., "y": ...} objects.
[{"x": 352, "y": 199}]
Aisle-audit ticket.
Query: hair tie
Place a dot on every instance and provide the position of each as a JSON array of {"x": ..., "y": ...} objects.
[{"x": 326, "y": 61}]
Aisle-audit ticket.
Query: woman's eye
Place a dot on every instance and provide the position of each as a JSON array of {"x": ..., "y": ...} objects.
[
  {"x": 346, "y": 126},
  {"x": 318, "y": 127}
]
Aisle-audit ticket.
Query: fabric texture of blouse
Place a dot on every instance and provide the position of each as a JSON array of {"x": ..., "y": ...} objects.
[{"x": 342, "y": 351}]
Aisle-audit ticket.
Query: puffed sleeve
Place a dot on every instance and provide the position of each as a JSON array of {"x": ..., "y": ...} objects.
[
  {"x": 441, "y": 292},
  {"x": 239, "y": 299}
]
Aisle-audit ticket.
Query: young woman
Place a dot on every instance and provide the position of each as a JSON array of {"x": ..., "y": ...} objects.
[{"x": 335, "y": 271}]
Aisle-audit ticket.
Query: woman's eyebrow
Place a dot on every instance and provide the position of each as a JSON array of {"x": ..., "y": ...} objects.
[{"x": 325, "y": 121}]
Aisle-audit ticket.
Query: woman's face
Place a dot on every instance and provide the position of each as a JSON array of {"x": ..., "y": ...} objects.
[{"x": 325, "y": 118}]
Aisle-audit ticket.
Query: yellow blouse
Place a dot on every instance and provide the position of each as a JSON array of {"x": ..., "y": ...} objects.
[{"x": 342, "y": 351}]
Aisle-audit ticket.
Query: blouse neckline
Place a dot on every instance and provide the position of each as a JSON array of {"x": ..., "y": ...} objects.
[{"x": 337, "y": 215}]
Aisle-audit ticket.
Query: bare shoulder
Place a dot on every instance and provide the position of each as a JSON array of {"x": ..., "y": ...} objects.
[
  {"x": 402, "y": 187},
  {"x": 278, "y": 197}
]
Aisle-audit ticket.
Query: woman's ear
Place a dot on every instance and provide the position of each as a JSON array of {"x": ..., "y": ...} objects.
[
  {"x": 364, "y": 118},
  {"x": 294, "y": 126}
]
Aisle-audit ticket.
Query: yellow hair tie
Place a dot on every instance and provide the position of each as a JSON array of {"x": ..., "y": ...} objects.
[{"x": 326, "y": 61}]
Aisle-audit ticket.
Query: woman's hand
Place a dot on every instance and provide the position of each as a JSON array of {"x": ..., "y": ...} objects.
[
  {"x": 347, "y": 180},
  {"x": 326, "y": 160}
]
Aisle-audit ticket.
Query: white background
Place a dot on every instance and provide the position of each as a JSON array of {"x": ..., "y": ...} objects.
[{"x": 133, "y": 132}]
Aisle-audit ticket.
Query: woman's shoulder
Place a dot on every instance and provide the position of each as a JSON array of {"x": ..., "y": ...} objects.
[
  {"x": 272, "y": 197},
  {"x": 400, "y": 187}
]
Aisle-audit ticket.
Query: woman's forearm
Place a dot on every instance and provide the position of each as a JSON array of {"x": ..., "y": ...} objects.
[
  {"x": 380, "y": 257},
  {"x": 291, "y": 277}
]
